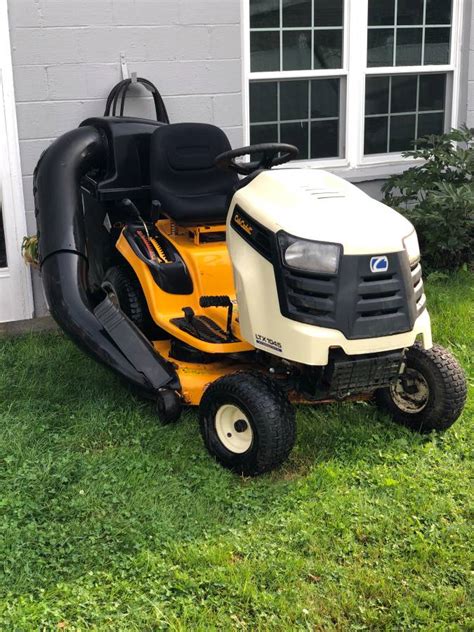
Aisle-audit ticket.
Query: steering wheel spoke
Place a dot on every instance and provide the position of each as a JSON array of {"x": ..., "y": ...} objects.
[{"x": 269, "y": 154}]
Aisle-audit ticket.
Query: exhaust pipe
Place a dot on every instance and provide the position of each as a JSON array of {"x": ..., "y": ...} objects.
[{"x": 98, "y": 328}]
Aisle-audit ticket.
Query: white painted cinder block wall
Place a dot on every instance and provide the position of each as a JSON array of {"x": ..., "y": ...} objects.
[{"x": 66, "y": 57}]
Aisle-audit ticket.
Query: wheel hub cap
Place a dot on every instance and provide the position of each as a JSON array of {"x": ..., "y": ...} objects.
[
  {"x": 411, "y": 392},
  {"x": 233, "y": 429}
]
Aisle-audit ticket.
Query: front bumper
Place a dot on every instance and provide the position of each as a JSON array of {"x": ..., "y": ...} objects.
[{"x": 311, "y": 345}]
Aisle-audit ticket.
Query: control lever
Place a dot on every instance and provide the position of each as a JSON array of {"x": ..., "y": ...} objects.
[
  {"x": 188, "y": 314},
  {"x": 220, "y": 301},
  {"x": 132, "y": 209}
]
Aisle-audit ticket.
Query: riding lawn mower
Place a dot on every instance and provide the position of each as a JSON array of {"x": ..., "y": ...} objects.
[{"x": 236, "y": 286}]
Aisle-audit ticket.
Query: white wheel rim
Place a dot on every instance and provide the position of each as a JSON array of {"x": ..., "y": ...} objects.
[
  {"x": 233, "y": 429},
  {"x": 411, "y": 402}
]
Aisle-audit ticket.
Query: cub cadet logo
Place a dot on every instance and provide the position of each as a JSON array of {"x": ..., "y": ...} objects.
[
  {"x": 379, "y": 264},
  {"x": 268, "y": 342},
  {"x": 243, "y": 224}
]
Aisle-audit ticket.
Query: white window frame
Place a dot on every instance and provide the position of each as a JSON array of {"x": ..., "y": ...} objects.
[
  {"x": 15, "y": 279},
  {"x": 354, "y": 69}
]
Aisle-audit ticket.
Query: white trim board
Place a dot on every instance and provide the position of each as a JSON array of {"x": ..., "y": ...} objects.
[{"x": 16, "y": 299}]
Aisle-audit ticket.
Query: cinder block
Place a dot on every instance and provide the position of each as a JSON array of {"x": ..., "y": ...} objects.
[
  {"x": 104, "y": 44},
  {"x": 146, "y": 12},
  {"x": 159, "y": 42},
  {"x": 209, "y": 11},
  {"x": 228, "y": 110},
  {"x": 24, "y": 13},
  {"x": 470, "y": 118},
  {"x": 190, "y": 43},
  {"x": 100, "y": 79},
  {"x": 87, "y": 109},
  {"x": 30, "y": 152},
  {"x": 31, "y": 83},
  {"x": 28, "y": 195},
  {"x": 235, "y": 136},
  {"x": 77, "y": 12},
  {"x": 31, "y": 227},
  {"x": 45, "y": 46},
  {"x": 41, "y": 308},
  {"x": 471, "y": 66},
  {"x": 168, "y": 43},
  {"x": 80, "y": 81},
  {"x": 67, "y": 81},
  {"x": 193, "y": 77},
  {"x": 470, "y": 95},
  {"x": 43, "y": 120},
  {"x": 194, "y": 109},
  {"x": 50, "y": 119},
  {"x": 226, "y": 42}
]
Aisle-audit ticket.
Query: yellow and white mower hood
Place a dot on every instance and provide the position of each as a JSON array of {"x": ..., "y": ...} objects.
[{"x": 317, "y": 205}]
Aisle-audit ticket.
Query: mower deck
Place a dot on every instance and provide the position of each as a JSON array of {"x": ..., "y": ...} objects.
[{"x": 196, "y": 377}]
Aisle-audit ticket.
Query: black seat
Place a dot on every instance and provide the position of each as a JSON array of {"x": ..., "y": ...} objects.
[{"x": 190, "y": 189}]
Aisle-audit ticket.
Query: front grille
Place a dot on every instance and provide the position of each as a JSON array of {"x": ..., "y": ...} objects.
[
  {"x": 378, "y": 297},
  {"x": 355, "y": 301},
  {"x": 418, "y": 288},
  {"x": 311, "y": 295}
]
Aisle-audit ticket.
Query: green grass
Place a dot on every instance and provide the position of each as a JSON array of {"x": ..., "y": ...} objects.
[{"x": 109, "y": 521}]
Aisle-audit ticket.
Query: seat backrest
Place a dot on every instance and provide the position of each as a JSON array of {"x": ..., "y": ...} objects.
[{"x": 183, "y": 174}]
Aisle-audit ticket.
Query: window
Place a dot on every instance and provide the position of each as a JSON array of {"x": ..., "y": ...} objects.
[
  {"x": 351, "y": 82},
  {"x": 400, "y": 108},
  {"x": 408, "y": 32},
  {"x": 301, "y": 112},
  {"x": 297, "y": 49}
]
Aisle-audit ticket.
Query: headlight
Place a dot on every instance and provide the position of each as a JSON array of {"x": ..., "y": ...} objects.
[
  {"x": 309, "y": 256},
  {"x": 412, "y": 247}
]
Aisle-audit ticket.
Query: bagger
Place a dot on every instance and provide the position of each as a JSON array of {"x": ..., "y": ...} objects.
[{"x": 236, "y": 287}]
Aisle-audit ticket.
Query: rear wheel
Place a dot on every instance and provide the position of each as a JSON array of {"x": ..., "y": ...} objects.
[
  {"x": 430, "y": 394},
  {"x": 123, "y": 289},
  {"x": 247, "y": 423}
]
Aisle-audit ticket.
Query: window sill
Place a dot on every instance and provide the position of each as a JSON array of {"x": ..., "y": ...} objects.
[
  {"x": 362, "y": 173},
  {"x": 365, "y": 173}
]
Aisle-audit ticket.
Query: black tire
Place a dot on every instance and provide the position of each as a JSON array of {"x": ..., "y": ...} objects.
[
  {"x": 442, "y": 379},
  {"x": 169, "y": 407},
  {"x": 270, "y": 416},
  {"x": 122, "y": 285}
]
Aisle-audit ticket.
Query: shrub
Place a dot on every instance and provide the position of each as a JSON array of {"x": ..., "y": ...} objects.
[{"x": 437, "y": 196}]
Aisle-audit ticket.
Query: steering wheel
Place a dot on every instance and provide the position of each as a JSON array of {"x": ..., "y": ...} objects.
[{"x": 269, "y": 159}]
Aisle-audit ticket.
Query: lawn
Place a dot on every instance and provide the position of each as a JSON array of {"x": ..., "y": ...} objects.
[{"x": 110, "y": 521}]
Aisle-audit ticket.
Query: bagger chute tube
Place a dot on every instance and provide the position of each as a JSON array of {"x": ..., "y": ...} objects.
[{"x": 236, "y": 287}]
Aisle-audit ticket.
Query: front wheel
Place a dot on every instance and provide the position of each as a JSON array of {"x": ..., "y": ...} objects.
[
  {"x": 247, "y": 423},
  {"x": 431, "y": 392}
]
